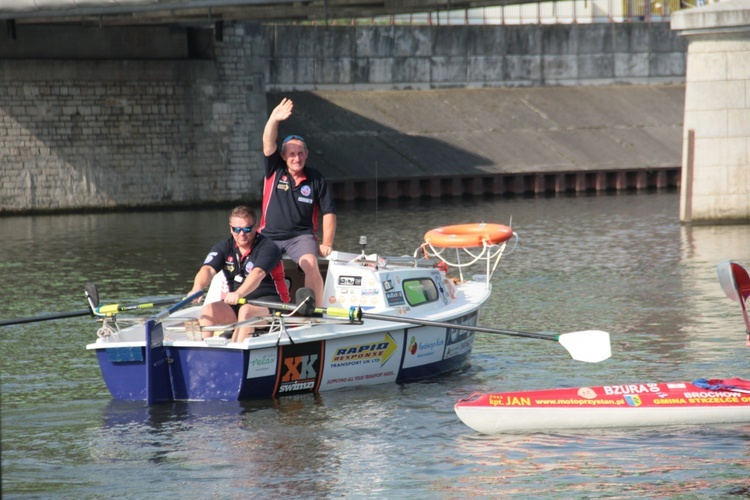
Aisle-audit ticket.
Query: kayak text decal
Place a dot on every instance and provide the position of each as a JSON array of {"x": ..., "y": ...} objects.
[
  {"x": 610, "y": 390},
  {"x": 500, "y": 400}
]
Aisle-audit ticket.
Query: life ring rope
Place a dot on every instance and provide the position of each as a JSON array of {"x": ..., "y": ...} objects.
[
  {"x": 485, "y": 253},
  {"x": 491, "y": 238}
]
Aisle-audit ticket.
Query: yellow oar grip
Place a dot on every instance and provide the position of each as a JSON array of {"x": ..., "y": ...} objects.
[
  {"x": 115, "y": 308},
  {"x": 337, "y": 313},
  {"x": 108, "y": 309}
]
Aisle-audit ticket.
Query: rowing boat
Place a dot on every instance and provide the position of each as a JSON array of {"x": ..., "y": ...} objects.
[
  {"x": 629, "y": 405},
  {"x": 389, "y": 320}
]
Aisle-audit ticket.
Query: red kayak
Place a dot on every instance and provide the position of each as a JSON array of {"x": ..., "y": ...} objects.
[
  {"x": 714, "y": 401},
  {"x": 673, "y": 403}
]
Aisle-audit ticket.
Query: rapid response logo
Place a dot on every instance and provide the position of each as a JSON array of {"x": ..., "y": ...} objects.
[{"x": 380, "y": 351}]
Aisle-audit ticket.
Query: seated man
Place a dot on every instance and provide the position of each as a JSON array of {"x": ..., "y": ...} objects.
[
  {"x": 294, "y": 195},
  {"x": 253, "y": 270}
]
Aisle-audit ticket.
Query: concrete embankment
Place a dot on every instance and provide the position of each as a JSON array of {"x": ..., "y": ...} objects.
[{"x": 492, "y": 141}]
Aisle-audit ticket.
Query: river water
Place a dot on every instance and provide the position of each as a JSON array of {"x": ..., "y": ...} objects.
[{"x": 620, "y": 263}]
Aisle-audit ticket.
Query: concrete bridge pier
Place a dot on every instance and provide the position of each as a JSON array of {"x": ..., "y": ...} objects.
[{"x": 715, "y": 183}]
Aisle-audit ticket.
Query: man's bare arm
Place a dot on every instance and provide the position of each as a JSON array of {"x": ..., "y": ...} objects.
[{"x": 271, "y": 130}]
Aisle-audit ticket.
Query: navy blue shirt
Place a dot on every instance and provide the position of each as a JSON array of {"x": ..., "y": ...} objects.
[
  {"x": 291, "y": 210},
  {"x": 225, "y": 257}
]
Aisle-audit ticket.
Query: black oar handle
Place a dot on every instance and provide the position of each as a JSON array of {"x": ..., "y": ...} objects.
[
  {"x": 441, "y": 324},
  {"x": 100, "y": 310},
  {"x": 46, "y": 317}
]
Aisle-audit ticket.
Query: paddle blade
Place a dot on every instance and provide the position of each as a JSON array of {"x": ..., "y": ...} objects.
[
  {"x": 591, "y": 346},
  {"x": 92, "y": 295},
  {"x": 734, "y": 280},
  {"x": 306, "y": 298}
]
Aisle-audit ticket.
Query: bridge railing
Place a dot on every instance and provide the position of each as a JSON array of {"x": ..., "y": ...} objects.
[{"x": 550, "y": 12}]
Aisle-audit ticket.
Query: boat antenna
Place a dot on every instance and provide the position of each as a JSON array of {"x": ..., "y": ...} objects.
[{"x": 376, "y": 192}]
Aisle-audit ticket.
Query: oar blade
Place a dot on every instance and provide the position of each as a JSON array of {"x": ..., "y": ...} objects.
[
  {"x": 727, "y": 280},
  {"x": 590, "y": 346},
  {"x": 305, "y": 297}
]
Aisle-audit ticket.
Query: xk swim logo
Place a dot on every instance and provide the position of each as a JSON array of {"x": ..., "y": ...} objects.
[{"x": 299, "y": 368}]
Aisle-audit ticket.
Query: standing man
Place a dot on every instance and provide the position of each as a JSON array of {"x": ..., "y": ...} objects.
[
  {"x": 294, "y": 195},
  {"x": 253, "y": 270}
]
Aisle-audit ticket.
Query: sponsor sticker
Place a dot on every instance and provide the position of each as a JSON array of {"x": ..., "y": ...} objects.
[
  {"x": 299, "y": 368},
  {"x": 261, "y": 362},
  {"x": 350, "y": 280},
  {"x": 394, "y": 298}
]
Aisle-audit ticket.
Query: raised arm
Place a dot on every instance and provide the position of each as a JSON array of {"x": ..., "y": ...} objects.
[{"x": 271, "y": 130}]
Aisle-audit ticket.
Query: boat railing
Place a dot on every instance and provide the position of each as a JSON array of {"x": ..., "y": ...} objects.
[
  {"x": 488, "y": 254},
  {"x": 412, "y": 261},
  {"x": 382, "y": 261}
]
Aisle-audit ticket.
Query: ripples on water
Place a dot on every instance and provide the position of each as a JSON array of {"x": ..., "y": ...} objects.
[{"x": 618, "y": 263}]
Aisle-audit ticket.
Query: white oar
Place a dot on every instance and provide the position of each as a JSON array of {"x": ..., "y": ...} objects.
[{"x": 591, "y": 346}]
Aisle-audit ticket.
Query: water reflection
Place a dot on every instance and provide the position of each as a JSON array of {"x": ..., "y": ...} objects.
[
  {"x": 249, "y": 445},
  {"x": 611, "y": 462}
]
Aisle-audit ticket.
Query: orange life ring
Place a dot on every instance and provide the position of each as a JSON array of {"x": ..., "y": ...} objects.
[{"x": 468, "y": 235}]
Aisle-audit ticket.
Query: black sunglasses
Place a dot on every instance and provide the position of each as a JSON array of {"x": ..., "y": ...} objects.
[{"x": 238, "y": 230}]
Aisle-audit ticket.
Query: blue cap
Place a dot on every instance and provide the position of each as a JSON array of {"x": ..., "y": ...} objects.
[{"x": 293, "y": 137}]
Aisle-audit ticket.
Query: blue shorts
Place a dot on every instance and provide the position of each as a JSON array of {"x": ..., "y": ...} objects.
[{"x": 298, "y": 246}]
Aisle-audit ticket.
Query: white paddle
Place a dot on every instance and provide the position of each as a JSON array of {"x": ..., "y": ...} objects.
[{"x": 591, "y": 346}]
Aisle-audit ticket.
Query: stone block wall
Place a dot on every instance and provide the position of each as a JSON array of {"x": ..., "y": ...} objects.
[
  {"x": 104, "y": 119},
  {"x": 716, "y": 134},
  {"x": 433, "y": 57},
  {"x": 84, "y": 133}
]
